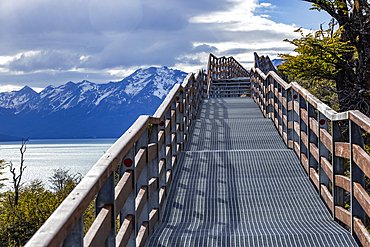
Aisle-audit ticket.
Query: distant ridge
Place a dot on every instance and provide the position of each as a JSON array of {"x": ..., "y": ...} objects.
[
  {"x": 85, "y": 109},
  {"x": 9, "y": 138}
]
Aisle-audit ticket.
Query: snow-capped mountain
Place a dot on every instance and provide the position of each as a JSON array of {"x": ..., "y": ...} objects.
[{"x": 85, "y": 109}]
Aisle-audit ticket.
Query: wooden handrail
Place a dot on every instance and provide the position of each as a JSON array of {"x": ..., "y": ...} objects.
[
  {"x": 133, "y": 153},
  {"x": 302, "y": 120},
  {"x": 223, "y": 68}
]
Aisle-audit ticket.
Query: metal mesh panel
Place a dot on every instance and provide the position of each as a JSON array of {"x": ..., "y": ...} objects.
[
  {"x": 237, "y": 184},
  {"x": 230, "y": 134}
]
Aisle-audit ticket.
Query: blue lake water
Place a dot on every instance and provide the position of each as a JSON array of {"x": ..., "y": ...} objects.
[{"x": 43, "y": 156}]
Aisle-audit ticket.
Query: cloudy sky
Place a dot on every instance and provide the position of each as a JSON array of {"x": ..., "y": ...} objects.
[{"x": 51, "y": 42}]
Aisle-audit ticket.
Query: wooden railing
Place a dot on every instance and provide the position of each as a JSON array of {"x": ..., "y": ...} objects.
[
  {"x": 146, "y": 157},
  {"x": 223, "y": 68},
  {"x": 303, "y": 122}
]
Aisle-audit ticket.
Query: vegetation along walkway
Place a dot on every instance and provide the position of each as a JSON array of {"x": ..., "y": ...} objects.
[{"x": 237, "y": 184}]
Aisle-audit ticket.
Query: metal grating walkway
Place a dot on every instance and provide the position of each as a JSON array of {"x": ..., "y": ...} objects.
[{"x": 237, "y": 184}]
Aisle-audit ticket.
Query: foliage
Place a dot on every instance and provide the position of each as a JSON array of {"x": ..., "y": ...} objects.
[
  {"x": 353, "y": 68},
  {"x": 62, "y": 182},
  {"x": 315, "y": 66},
  {"x": 318, "y": 55},
  {"x": 36, "y": 203},
  {"x": 18, "y": 223}
]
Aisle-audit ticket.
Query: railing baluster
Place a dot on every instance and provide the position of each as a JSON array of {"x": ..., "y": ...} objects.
[
  {"x": 338, "y": 167},
  {"x": 356, "y": 174},
  {"x": 323, "y": 151},
  {"x": 128, "y": 210},
  {"x": 106, "y": 197},
  {"x": 303, "y": 130},
  {"x": 154, "y": 173},
  {"x": 296, "y": 121},
  {"x": 76, "y": 235},
  {"x": 312, "y": 138}
]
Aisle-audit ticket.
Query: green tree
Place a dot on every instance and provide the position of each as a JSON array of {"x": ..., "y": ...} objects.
[
  {"x": 342, "y": 56},
  {"x": 316, "y": 64},
  {"x": 18, "y": 223},
  {"x": 62, "y": 182}
]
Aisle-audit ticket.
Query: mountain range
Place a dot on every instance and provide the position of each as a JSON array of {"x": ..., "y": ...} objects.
[{"x": 85, "y": 109}]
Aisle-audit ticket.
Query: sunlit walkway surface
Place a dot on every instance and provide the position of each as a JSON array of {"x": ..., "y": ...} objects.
[{"x": 237, "y": 184}]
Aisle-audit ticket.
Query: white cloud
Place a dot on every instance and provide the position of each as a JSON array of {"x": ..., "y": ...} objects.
[{"x": 105, "y": 40}]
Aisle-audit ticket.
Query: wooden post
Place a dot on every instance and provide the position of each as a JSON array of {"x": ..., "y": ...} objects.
[
  {"x": 357, "y": 175},
  {"x": 128, "y": 164},
  {"x": 76, "y": 235},
  {"x": 106, "y": 197},
  {"x": 323, "y": 151}
]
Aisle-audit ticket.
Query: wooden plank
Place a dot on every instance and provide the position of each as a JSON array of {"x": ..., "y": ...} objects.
[
  {"x": 140, "y": 201},
  {"x": 296, "y": 106},
  {"x": 343, "y": 182},
  {"x": 125, "y": 231},
  {"x": 343, "y": 215},
  {"x": 296, "y": 128},
  {"x": 162, "y": 196},
  {"x": 327, "y": 197},
  {"x": 325, "y": 138},
  {"x": 100, "y": 228},
  {"x": 153, "y": 185},
  {"x": 360, "y": 119},
  {"x": 169, "y": 178},
  {"x": 342, "y": 150},
  {"x": 153, "y": 218},
  {"x": 168, "y": 127},
  {"x": 362, "y": 197},
  {"x": 142, "y": 235},
  {"x": 314, "y": 151},
  {"x": 361, "y": 232},
  {"x": 152, "y": 149},
  {"x": 314, "y": 177},
  {"x": 362, "y": 159},
  {"x": 314, "y": 125},
  {"x": 304, "y": 138},
  {"x": 140, "y": 162},
  {"x": 289, "y": 105},
  {"x": 304, "y": 115},
  {"x": 173, "y": 139},
  {"x": 327, "y": 167},
  {"x": 168, "y": 153},
  {"x": 284, "y": 101},
  {"x": 162, "y": 168},
  {"x": 290, "y": 125},
  {"x": 304, "y": 162},
  {"x": 161, "y": 139},
  {"x": 123, "y": 189},
  {"x": 285, "y": 121},
  {"x": 290, "y": 144},
  {"x": 173, "y": 116},
  {"x": 174, "y": 161},
  {"x": 296, "y": 148},
  {"x": 285, "y": 138}
]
